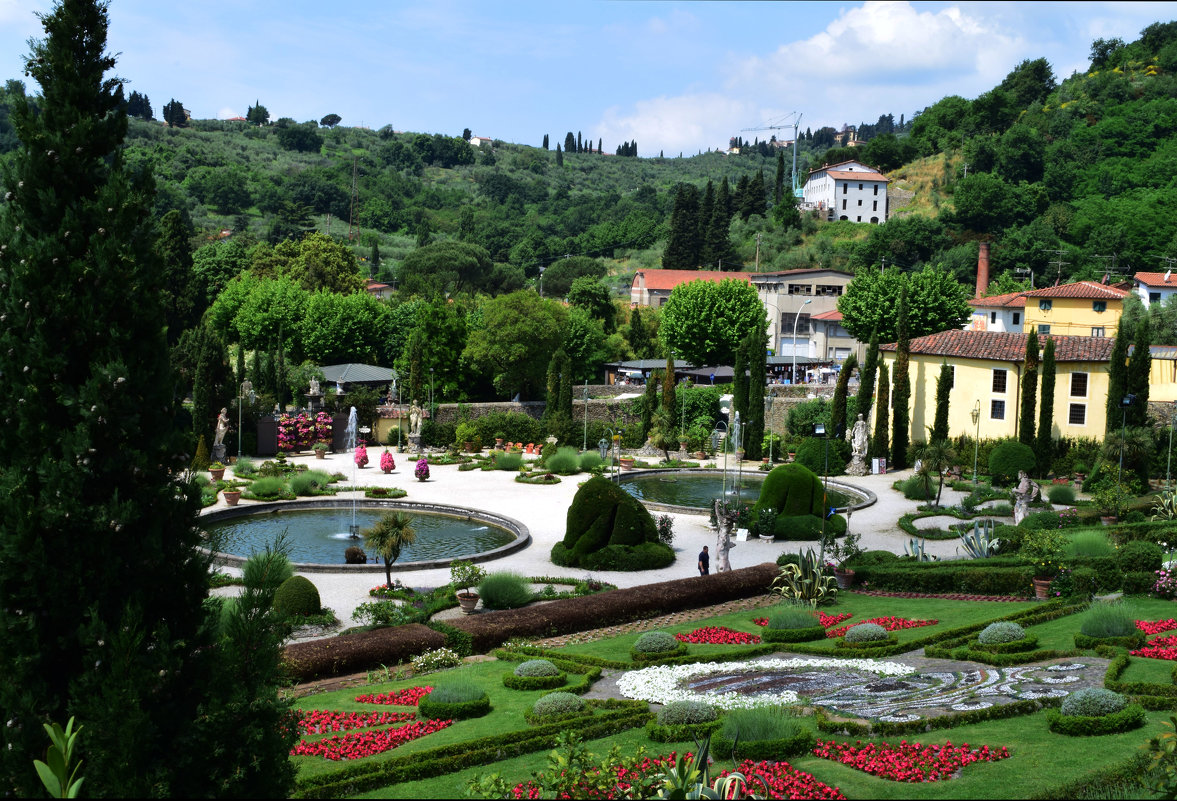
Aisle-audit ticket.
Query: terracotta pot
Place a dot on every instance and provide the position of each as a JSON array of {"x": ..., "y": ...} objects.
[
  {"x": 232, "y": 497},
  {"x": 1041, "y": 588},
  {"x": 469, "y": 447},
  {"x": 1108, "y": 520},
  {"x": 320, "y": 454},
  {"x": 844, "y": 577},
  {"x": 626, "y": 462},
  {"x": 468, "y": 600},
  {"x": 217, "y": 474}
]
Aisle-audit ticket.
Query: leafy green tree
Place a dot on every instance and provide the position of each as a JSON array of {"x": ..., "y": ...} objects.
[
  {"x": 559, "y": 277},
  {"x": 901, "y": 392},
  {"x": 303, "y": 138},
  {"x": 943, "y": 392},
  {"x": 331, "y": 120},
  {"x": 438, "y": 336},
  {"x": 1139, "y": 366},
  {"x": 257, "y": 115},
  {"x": 173, "y": 114},
  {"x": 594, "y": 297},
  {"x": 585, "y": 343},
  {"x": 388, "y": 536},
  {"x": 1029, "y": 390},
  {"x": 778, "y": 185},
  {"x": 866, "y": 381},
  {"x": 441, "y": 267},
  {"x": 104, "y": 582},
  {"x": 880, "y": 442},
  {"x": 740, "y": 381},
  {"x": 337, "y": 328},
  {"x": 517, "y": 329},
  {"x": 1117, "y": 376},
  {"x": 936, "y": 301},
  {"x": 1044, "y": 444},
  {"x": 704, "y": 321},
  {"x": 321, "y": 263}
]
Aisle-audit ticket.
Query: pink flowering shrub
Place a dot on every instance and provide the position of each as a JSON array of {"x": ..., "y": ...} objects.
[
  {"x": 421, "y": 471},
  {"x": 387, "y": 462}
]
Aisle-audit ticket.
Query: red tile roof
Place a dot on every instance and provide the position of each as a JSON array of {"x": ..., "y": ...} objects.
[
  {"x": 1079, "y": 289},
  {"x": 1012, "y": 300},
  {"x": 830, "y": 315},
  {"x": 1157, "y": 279},
  {"x": 1006, "y": 346},
  {"x": 669, "y": 279}
]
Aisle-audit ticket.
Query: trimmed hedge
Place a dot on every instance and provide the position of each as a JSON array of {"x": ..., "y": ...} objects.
[
  {"x": 1028, "y": 643},
  {"x": 684, "y": 733},
  {"x": 1116, "y": 668},
  {"x": 646, "y": 556},
  {"x": 1131, "y": 641},
  {"x": 513, "y": 682},
  {"x": 603, "y": 514},
  {"x": 792, "y": 635},
  {"x": 364, "y": 650},
  {"x": 457, "y": 710},
  {"x": 885, "y": 728},
  {"x": 842, "y": 644},
  {"x": 642, "y": 657},
  {"x": 1128, "y": 718},
  {"x": 800, "y": 743}
]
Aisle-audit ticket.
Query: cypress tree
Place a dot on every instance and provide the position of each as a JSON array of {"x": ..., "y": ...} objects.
[
  {"x": 639, "y": 337},
  {"x": 374, "y": 259},
  {"x": 546, "y": 142},
  {"x": 579, "y": 143},
  {"x": 182, "y": 301},
  {"x": 682, "y": 245},
  {"x": 569, "y": 143},
  {"x": 740, "y": 381},
  {"x": 1139, "y": 366},
  {"x": 719, "y": 249},
  {"x": 650, "y": 402},
  {"x": 600, "y": 141},
  {"x": 559, "y": 156},
  {"x": 565, "y": 399},
  {"x": 740, "y": 197},
  {"x": 1044, "y": 443},
  {"x": 707, "y": 256},
  {"x": 101, "y": 571},
  {"x": 1117, "y": 376},
  {"x": 1029, "y": 390},
  {"x": 879, "y": 444},
  {"x": 668, "y": 399},
  {"x": 757, "y": 359},
  {"x": 838, "y": 407},
  {"x": 901, "y": 391},
  {"x": 943, "y": 388},
  {"x": 778, "y": 187},
  {"x": 866, "y": 377},
  {"x": 210, "y": 388},
  {"x": 552, "y": 395}
]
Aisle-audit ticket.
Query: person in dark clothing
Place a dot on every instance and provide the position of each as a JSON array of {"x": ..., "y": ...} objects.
[{"x": 704, "y": 562}]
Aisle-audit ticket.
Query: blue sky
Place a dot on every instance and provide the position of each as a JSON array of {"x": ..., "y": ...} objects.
[{"x": 678, "y": 77}]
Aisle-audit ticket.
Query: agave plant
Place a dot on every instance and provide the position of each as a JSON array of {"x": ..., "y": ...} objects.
[
  {"x": 691, "y": 778},
  {"x": 805, "y": 582},
  {"x": 1166, "y": 506},
  {"x": 980, "y": 543},
  {"x": 915, "y": 548}
]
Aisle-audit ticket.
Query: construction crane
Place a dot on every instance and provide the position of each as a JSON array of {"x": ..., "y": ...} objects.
[{"x": 798, "y": 192}]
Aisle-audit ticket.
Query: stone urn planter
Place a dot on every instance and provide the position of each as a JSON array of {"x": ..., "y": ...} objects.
[
  {"x": 1041, "y": 588},
  {"x": 232, "y": 497},
  {"x": 626, "y": 462},
  {"x": 468, "y": 601},
  {"x": 217, "y": 472},
  {"x": 844, "y": 576}
]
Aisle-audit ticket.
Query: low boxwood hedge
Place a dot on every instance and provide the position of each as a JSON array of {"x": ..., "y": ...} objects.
[
  {"x": 842, "y": 644},
  {"x": 1128, "y": 718},
  {"x": 458, "y": 710},
  {"x": 513, "y": 682},
  {"x": 793, "y": 635},
  {"x": 683, "y": 733},
  {"x": 884, "y": 728},
  {"x": 642, "y": 657},
  {"x": 1130, "y": 641},
  {"x": 774, "y": 750},
  {"x": 1027, "y": 643}
]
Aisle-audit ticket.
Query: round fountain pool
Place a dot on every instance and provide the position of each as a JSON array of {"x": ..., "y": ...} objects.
[
  {"x": 696, "y": 490},
  {"x": 317, "y": 532}
]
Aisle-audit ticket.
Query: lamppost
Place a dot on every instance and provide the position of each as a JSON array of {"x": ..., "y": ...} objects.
[
  {"x": 768, "y": 399},
  {"x": 584, "y": 445},
  {"x": 819, "y": 430},
  {"x": 737, "y": 434},
  {"x": 715, "y": 444},
  {"x": 1125, "y": 402},
  {"x": 796, "y": 319},
  {"x": 976, "y": 415},
  {"x": 246, "y": 390},
  {"x": 432, "y": 411}
]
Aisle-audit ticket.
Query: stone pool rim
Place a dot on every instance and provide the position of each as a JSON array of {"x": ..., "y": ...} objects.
[
  {"x": 517, "y": 528},
  {"x": 869, "y": 498}
]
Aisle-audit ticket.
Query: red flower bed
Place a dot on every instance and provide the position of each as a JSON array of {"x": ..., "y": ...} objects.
[
  {"x": 823, "y": 620},
  {"x": 321, "y": 721},
  {"x": 1160, "y": 648},
  {"x": 889, "y": 623},
  {"x": 907, "y": 762},
  {"x": 718, "y": 635},
  {"x": 357, "y": 745},
  {"x": 406, "y": 697},
  {"x": 784, "y": 781},
  {"x": 1151, "y": 627}
]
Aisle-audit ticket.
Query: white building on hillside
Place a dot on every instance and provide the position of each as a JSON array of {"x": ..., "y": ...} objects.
[{"x": 848, "y": 191}]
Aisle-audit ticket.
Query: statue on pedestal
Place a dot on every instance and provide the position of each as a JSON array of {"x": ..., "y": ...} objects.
[
  {"x": 1024, "y": 494},
  {"x": 415, "y": 413},
  {"x": 858, "y": 438}
]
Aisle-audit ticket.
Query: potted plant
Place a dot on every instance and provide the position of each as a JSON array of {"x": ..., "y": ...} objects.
[
  {"x": 499, "y": 437},
  {"x": 421, "y": 471},
  {"x": 387, "y": 463},
  {"x": 361, "y": 456},
  {"x": 217, "y": 471},
  {"x": 467, "y": 434},
  {"x": 463, "y": 576},
  {"x": 232, "y": 496},
  {"x": 1111, "y": 498},
  {"x": 320, "y": 449},
  {"x": 626, "y": 462},
  {"x": 840, "y": 553},
  {"x": 1042, "y": 549}
]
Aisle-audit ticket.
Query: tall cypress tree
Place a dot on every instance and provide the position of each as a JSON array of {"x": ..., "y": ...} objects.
[
  {"x": 546, "y": 142},
  {"x": 740, "y": 381},
  {"x": 943, "y": 390},
  {"x": 880, "y": 442},
  {"x": 707, "y": 257},
  {"x": 1044, "y": 442},
  {"x": 740, "y": 197},
  {"x": 720, "y": 251},
  {"x": 1029, "y": 390},
  {"x": 639, "y": 337},
  {"x": 866, "y": 376},
  {"x": 211, "y": 387},
  {"x": 682, "y": 245},
  {"x": 1117, "y": 376},
  {"x": 778, "y": 186},
  {"x": 559, "y": 156},
  {"x": 757, "y": 359},
  {"x": 1139, "y": 366},
  {"x": 901, "y": 390},
  {"x": 650, "y": 402},
  {"x": 183, "y": 302},
  {"x": 101, "y": 572},
  {"x": 838, "y": 407},
  {"x": 669, "y": 404}
]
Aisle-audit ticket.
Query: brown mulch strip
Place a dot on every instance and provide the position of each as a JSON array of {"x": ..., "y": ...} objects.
[{"x": 944, "y": 597}]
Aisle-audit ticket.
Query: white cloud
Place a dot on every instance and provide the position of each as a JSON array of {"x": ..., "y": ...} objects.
[
  {"x": 685, "y": 123},
  {"x": 226, "y": 112}
]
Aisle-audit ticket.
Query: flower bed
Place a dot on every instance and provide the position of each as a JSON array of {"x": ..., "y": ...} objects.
[
  {"x": 908, "y": 762},
  {"x": 410, "y": 696},
  {"x": 321, "y": 721},
  {"x": 664, "y": 683},
  {"x": 823, "y": 620},
  {"x": 299, "y": 432},
  {"x": 357, "y": 745},
  {"x": 890, "y": 623},
  {"x": 718, "y": 635},
  {"x": 1151, "y": 627},
  {"x": 784, "y": 781},
  {"x": 1160, "y": 648}
]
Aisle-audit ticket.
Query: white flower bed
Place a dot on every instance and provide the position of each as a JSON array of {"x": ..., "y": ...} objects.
[{"x": 663, "y": 684}]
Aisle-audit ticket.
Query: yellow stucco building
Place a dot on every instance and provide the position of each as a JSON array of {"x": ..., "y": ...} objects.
[
  {"x": 987, "y": 375},
  {"x": 1082, "y": 309}
]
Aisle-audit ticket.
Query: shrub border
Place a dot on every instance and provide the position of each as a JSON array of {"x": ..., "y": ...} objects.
[
  {"x": 513, "y": 682},
  {"x": 1128, "y": 718},
  {"x": 793, "y": 635},
  {"x": 1116, "y": 668},
  {"x": 1028, "y": 643},
  {"x": 646, "y": 657},
  {"x": 841, "y": 644},
  {"x": 681, "y": 733},
  {"x": 889, "y": 729},
  {"x": 1136, "y": 640},
  {"x": 773, "y": 750},
  {"x": 457, "y": 710}
]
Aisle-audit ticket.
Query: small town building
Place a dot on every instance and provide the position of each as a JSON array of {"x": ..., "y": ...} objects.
[
  {"x": 849, "y": 190},
  {"x": 653, "y": 287},
  {"x": 1155, "y": 287}
]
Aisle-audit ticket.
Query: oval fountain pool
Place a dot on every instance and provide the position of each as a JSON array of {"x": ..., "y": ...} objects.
[
  {"x": 694, "y": 491},
  {"x": 318, "y": 532}
]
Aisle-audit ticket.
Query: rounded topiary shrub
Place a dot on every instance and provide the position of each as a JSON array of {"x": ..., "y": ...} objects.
[
  {"x": 812, "y": 454},
  {"x": 656, "y": 642},
  {"x": 792, "y": 617},
  {"x": 297, "y": 597},
  {"x": 556, "y": 705},
  {"x": 505, "y": 590},
  {"x": 797, "y": 496},
  {"x": 603, "y": 515},
  {"x": 1139, "y": 556},
  {"x": 686, "y": 713},
  {"x": 1008, "y": 458},
  {"x": 1093, "y": 702},
  {"x": 534, "y": 668},
  {"x": 1061, "y": 494},
  {"x": 1001, "y": 632},
  {"x": 457, "y": 700},
  {"x": 866, "y": 632}
]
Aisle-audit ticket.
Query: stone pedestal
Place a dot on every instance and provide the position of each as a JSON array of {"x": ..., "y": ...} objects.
[
  {"x": 218, "y": 454},
  {"x": 314, "y": 402},
  {"x": 857, "y": 467},
  {"x": 414, "y": 443}
]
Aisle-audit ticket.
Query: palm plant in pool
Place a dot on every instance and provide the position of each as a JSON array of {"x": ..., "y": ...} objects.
[{"x": 391, "y": 533}]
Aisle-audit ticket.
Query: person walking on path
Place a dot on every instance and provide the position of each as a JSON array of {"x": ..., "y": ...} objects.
[{"x": 704, "y": 562}]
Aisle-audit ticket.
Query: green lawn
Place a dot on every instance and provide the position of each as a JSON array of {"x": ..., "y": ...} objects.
[{"x": 1040, "y": 760}]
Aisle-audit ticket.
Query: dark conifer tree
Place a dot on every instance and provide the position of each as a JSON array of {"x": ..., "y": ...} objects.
[
  {"x": 1139, "y": 366},
  {"x": 740, "y": 382},
  {"x": 740, "y": 197},
  {"x": 103, "y": 579},
  {"x": 753, "y": 201},
  {"x": 569, "y": 143},
  {"x": 706, "y": 210},
  {"x": 559, "y": 156},
  {"x": 1044, "y": 442},
  {"x": 866, "y": 377},
  {"x": 650, "y": 401},
  {"x": 682, "y": 245},
  {"x": 1117, "y": 375},
  {"x": 757, "y": 360},
  {"x": 600, "y": 141},
  {"x": 880, "y": 444},
  {"x": 173, "y": 114},
  {"x": 579, "y": 143},
  {"x": 182, "y": 300},
  {"x": 374, "y": 259},
  {"x": 778, "y": 187},
  {"x": 943, "y": 391},
  {"x": 545, "y": 141},
  {"x": 639, "y": 337},
  {"x": 1027, "y": 417},
  {"x": 838, "y": 420},
  {"x": 721, "y": 253},
  {"x": 669, "y": 399},
  {"x": 901, "y": 389},
  {"x": 139, "y": 106}
]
